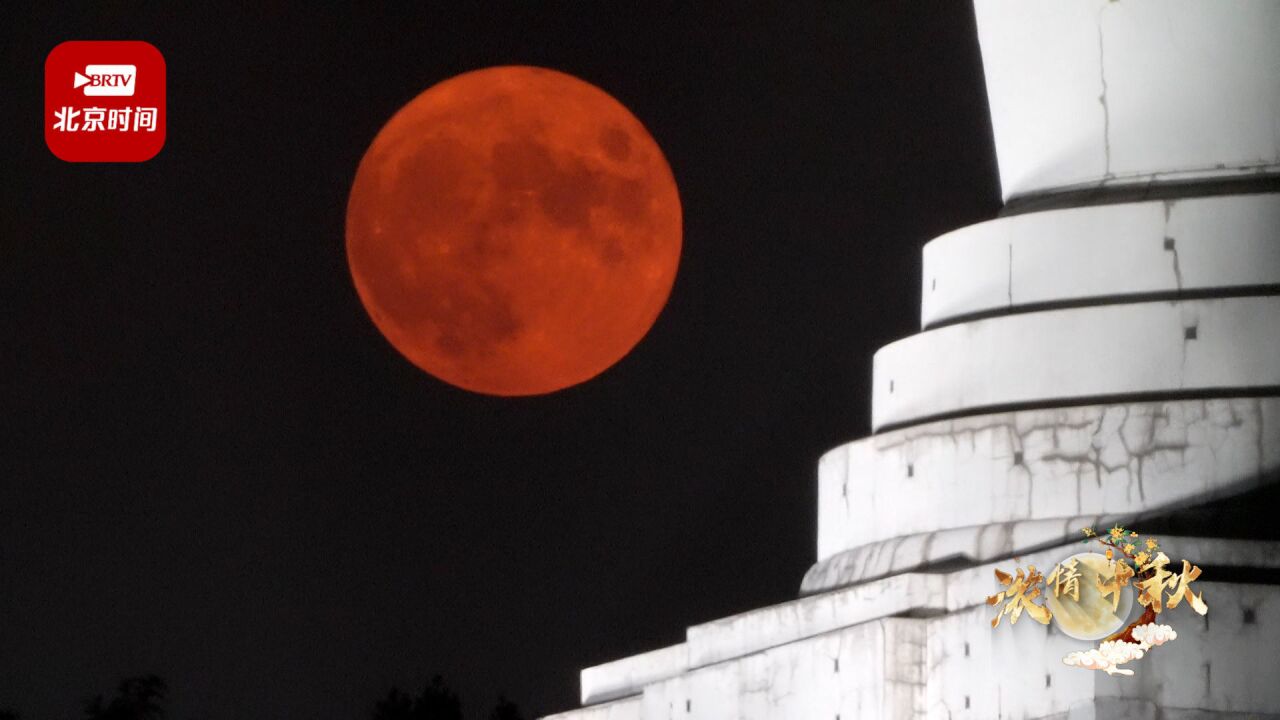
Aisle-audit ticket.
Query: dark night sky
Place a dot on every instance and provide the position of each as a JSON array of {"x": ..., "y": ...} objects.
[{"x": 213, "y": 467}]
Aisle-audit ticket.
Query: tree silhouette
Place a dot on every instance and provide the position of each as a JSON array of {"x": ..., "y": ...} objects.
[
  {"x": 138, "y": 698},
  {"x": 436, "y": 702},
  {"x": 9, "y": 715},
  {"x": 397, "y": 706},
  {"x": 506, "y": 710}
]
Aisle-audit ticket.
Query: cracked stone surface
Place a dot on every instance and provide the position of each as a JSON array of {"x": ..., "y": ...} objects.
[
  {"x": 1079, "y": 355},
  {"x": 1102, "y": 253},
  {"x": 1075, "y": 100},
  {"x": 995, "y": 485}
]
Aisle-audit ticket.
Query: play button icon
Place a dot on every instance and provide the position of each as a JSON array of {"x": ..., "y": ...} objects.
[{"x": 98, "y": 80}]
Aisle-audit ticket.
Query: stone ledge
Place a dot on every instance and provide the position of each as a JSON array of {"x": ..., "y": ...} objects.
[
  {"x": 954, "y": 665},
  {"x": 626, "y": 676},
  {"x": 906, "y": 593},
  {"x": 626, "y": 709},
  {"x": 1101, "y": 254},
  {"x": 1192, "y": 348},
  {"x": 1006, "y": 482}
]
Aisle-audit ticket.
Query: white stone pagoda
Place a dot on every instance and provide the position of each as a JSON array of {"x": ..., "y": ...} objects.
[{"x": 1107, "y": 350}]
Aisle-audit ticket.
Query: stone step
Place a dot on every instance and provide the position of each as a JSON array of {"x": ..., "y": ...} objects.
[
  {"x": 1005, "y": 482},
  {"x": 1103, "y": 254},
  {"x": 1080, "y": 355},
  {"x": 908, "y": 596}
]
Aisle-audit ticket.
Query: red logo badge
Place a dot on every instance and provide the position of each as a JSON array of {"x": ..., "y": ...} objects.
[{"x": 104, "y": 101}]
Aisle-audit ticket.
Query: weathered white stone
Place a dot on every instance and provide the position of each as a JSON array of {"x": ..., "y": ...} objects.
[
  {"x": 990, "y": 485},
  {"x": 626, "y": 676},
  {"x": 778, "y": 625},
  {"x": 973, "y": 544},
  {"x": 1078, "y": 354},
  {"x": 1014, "y": 672},
  {"x": 856, "y": 653},
  {"x": 1228, "y": 242},
  {"x": 913, "y": 593},
  {"x": 1093, "y": 91},
  {"x": 872, "y": 670}
]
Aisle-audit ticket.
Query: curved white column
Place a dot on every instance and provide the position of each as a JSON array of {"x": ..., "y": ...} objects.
[
  {"x": 1091, "y": 91},
  {"x": 1078, "y": 354},
  {"x": 1103, "y": 252},
  {"x": 984, "y": 485}
]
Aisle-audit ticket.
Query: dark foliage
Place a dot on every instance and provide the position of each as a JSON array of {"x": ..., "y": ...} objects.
[
  {"x": 506, "y": 710},
  {"x": 140, "y": 698},
  {"x": 435, "y": 702}
]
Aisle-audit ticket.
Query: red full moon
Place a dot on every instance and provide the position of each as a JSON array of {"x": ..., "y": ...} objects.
[{"x": 513, "y": 231}]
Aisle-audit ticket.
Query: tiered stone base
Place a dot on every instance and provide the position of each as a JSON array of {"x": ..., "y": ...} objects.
[{"x": 920, "y": 645}]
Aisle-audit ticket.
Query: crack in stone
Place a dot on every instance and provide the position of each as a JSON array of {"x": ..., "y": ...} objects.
[
  {"x": 1170, "y": 245},
  {"x": 1102, "y": 98},
  {"x": 1007, "y": 422},
  {"x": 1155, "y": 432}
]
